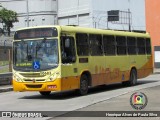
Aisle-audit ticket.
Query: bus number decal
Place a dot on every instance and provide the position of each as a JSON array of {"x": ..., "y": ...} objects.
[{"x": 45, "y": 73}]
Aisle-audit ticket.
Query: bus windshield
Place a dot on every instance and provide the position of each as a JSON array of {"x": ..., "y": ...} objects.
[{"x": 35, "y": 55}]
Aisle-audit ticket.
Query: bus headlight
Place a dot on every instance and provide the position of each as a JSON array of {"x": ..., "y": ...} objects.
[
  {"x": 54, "y": 76},
  {"x": 17, "y": 79}
]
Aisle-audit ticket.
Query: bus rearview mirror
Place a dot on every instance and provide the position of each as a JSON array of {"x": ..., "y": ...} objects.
[{"x": 67, "y": 43}]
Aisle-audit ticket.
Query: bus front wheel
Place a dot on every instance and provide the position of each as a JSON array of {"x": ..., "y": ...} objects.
[
  {"x": 83, "y": 85},
  {"x": 132, "y": 80},
  {"x": 45, "y": 93}
]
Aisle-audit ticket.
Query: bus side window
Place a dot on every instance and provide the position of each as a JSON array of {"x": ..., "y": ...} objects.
[
  {"x": 131, "y": 45},
  {"x": 96, "y": 48},
  {"x": 68, "y": 50},
  {"x": 141, "y": 46},
  {"x": 109, "y": 45},
  {"x": 82, "y": 44},
  {"x": 121, "y": 45},
  {"x": 148, "y": 46}
]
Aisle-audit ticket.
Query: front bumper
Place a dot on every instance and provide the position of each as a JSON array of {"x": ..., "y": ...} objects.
[{"x": 37, "y": 86}]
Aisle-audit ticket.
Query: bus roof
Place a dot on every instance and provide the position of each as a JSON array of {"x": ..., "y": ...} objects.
[
  {"x": 102, "y": 31},
  {"x": 44, "y": 26},
  {"x": 78, "y": 29}
]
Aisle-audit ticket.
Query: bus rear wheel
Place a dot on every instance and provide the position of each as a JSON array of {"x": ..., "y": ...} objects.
[
  {"x": 133, "y": 79},
  {"x": 45, "y": 93},
  {"x": 83, "y": 85}
]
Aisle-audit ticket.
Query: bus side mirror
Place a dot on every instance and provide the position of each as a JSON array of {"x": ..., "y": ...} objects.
[{"x": 67, "y": 43}]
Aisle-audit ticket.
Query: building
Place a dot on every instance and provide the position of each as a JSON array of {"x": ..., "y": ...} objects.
[
  {"x": 93, "y": 13},
  {"x": 32, "y": 12},
  {"x": 87, "y": 13},
  {"x": 153, "y": 27}
]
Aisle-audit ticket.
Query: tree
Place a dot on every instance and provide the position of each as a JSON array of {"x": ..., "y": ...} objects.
[{"x": 8, "y": 17}]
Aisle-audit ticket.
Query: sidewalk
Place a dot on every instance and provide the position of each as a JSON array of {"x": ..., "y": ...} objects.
[
  {"x": 156, "y": 71},
  {"x": 5, "y": 88}
]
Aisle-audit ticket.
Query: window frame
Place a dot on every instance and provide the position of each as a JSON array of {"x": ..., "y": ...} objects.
[
  {"x": 121, "y": 45},
  {"x": 130, "y": 45},
  {"x": 80, "y": 47},
  {"x": 148, "y": 46},
  {"x": 141, "y": 46},
  {"x": 109, "y": 47},
  {"x": 96, "y": 42}
]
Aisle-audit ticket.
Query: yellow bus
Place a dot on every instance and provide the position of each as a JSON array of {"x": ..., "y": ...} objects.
[{"x": 60, "y": 58}]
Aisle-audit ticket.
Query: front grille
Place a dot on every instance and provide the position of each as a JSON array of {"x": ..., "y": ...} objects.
[
  {"x": 33, "y": 80},
  {"x": 33, "y": 86},
  {"x": 31, "y": 75},
  {"x": 28, "y": 80}
]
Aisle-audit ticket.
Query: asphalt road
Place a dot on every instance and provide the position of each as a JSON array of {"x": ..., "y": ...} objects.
[
  {"x": 115, "y": 97},
  {"x": 120, "y": 103}
]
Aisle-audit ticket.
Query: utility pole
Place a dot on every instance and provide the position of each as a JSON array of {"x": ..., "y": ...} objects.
[
  {"x": 129, "y": 18},
  {"x": 27, "y": 13},
  {"x": 56, "y": 13},
  {"x": 78, "y": 12}
]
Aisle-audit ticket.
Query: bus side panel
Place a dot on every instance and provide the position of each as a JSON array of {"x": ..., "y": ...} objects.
[
  {"x": 97, "y": 69},
  {"x": 69, "y": 83},
  {"x": 109, "y": 69},
  {"x": 115, "y": 76},
  {"x": 119, "y": 68},
  {"x": 69, "y": 76},
  {"x": 147, "y": 68}
]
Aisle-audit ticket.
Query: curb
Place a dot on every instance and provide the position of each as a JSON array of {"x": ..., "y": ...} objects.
[
  {"x": 156, "y": 70},
  {"x": 7, "y": 89},
  {"x": 5, "y": 79},
  {"x": 156, "y": 73}
]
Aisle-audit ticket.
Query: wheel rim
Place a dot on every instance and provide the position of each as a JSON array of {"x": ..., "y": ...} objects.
[
  {"x": 84, "y": 85},
  {"x": 134, "y": 78}
]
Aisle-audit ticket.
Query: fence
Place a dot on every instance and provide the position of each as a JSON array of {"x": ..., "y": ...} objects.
[{"x": 5, "y": 59}]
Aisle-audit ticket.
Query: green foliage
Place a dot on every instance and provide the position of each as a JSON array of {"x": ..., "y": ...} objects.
[{"x": 8, "y": 17}]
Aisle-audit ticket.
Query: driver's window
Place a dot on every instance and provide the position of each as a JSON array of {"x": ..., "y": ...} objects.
[{"x": 68, "y": 49}]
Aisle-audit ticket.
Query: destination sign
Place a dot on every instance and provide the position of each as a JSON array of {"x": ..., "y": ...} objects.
[{"x": 35, "y": 33}]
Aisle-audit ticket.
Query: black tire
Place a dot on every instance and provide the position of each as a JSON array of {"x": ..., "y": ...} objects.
[
  {"x": 45, "y": 93},
  {"x": 83, "y": 85},
  {"x": 132, "y": 80}
]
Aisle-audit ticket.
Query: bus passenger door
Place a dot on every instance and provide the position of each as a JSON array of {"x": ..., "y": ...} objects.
[{"x": 68, "y": 64}]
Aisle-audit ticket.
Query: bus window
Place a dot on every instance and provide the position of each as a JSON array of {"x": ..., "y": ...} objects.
[
  {"x": 121, "y": 45},
  {"x": 96, "y": 45},
  {"x": 131, "y": 44},
  {"x": 141, "y": 46},
  {"x": 148, "y": 46},
  {"x": 82, "y": 44},
  {"x": 109, "y": 45},
  {"x": 68, "y": 50}
]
